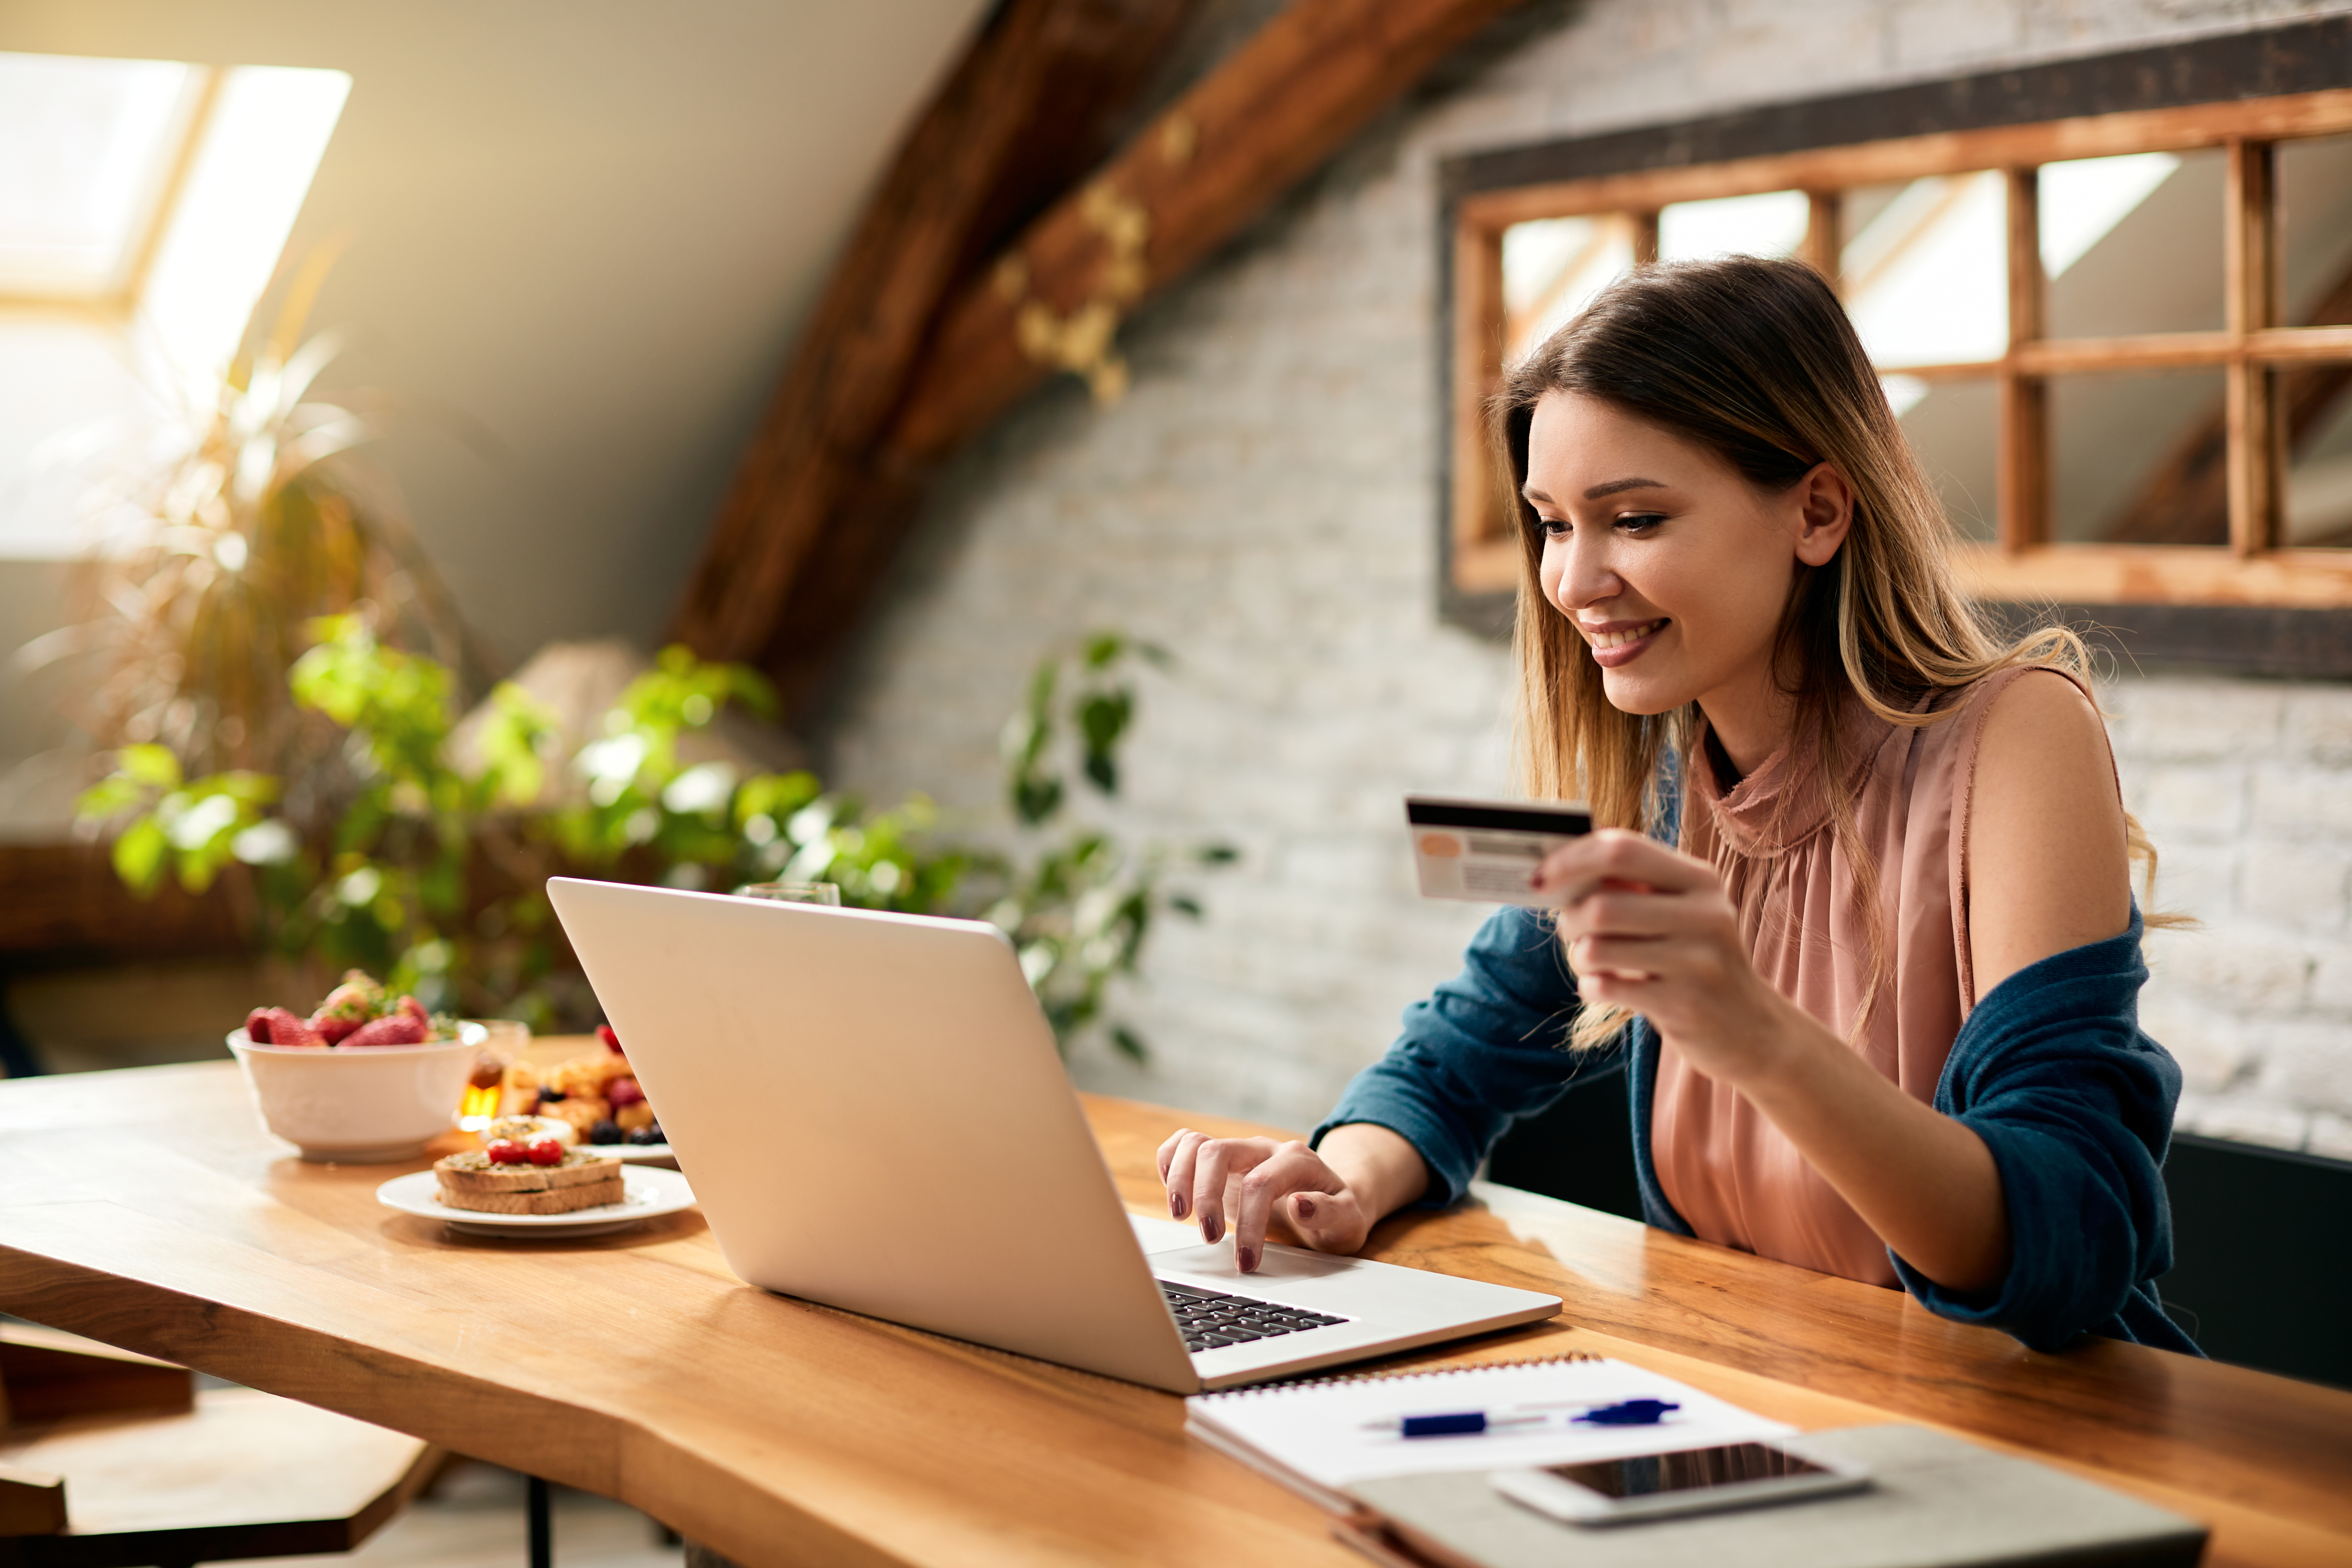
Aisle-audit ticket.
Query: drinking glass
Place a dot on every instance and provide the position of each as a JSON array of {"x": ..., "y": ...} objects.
[{"x": 504, "y": 1042}]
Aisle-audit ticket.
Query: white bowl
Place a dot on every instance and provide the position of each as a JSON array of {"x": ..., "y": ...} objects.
[{"x": 362, "y": 1107}]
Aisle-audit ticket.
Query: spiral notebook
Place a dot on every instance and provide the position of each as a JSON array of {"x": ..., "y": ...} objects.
[
  {"x": 1933, "y": 1501},
  {"x": 1320, "y": 1437}
]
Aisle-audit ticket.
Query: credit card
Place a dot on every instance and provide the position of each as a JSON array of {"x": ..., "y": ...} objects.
[{"x": 1485, "y": 850}]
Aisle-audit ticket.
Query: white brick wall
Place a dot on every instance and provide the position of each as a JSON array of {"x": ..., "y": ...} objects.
[
  {"x": 1264, "y": 504},
  {"x": 2247, "y": 789}
]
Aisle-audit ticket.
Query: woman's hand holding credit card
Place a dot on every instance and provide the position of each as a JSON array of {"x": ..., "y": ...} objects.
[
  {"x": 1489, "y": 850},
  {"x": 1511, "y": 852},
  {"x": 1645, "y": 927}
]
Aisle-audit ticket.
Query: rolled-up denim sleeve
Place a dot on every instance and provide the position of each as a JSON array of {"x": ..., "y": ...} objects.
[
  {"x": 2076, "y": 1105},
  {"x": 1486, "y": 1047}
]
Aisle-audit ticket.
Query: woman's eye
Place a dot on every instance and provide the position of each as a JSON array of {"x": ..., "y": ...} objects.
[
  {"x": 1552, "y": 527},
  {"x": 1640, "y": 521}
]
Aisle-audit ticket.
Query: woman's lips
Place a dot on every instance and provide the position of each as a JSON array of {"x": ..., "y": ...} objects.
[{"x": 1611, "y": 649}]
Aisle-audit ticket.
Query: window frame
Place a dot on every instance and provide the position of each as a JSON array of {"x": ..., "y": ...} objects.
[
  {"x": 119, "y": 303},
  {"x": 2248, "y": 604}
]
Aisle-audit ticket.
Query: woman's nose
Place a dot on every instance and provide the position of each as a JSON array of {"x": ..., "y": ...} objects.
[{"x": 1587, "y": 576}]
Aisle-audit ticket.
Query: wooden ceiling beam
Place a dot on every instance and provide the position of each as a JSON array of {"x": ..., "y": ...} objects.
[
  {"x": 1029, "y": 108},
  {"x": 1202, "y": 169},
  {"x": 1249, "y": 131}
]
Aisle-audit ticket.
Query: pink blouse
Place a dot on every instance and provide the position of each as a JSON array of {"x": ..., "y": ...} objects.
[{"x": 1724, "y": 1167}]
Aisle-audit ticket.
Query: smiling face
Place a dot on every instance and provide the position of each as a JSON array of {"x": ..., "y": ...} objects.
[{"x": 1673, "y": 567}]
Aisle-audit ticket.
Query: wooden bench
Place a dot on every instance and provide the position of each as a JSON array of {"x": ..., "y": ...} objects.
[{"x": 109, "y": 1460}]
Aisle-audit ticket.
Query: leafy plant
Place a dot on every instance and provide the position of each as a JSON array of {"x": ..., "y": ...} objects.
[
  {"x": 434, "y": 876},
  {"x": 192, "y": 827},
  {"x": 277, "y": 671},
  {"x": 1079, "y": 905},
  {"x": 220, "y": 536}
]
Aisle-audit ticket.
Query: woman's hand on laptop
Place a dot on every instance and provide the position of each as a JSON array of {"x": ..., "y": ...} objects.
[{"x": 1329, "y": 1200}]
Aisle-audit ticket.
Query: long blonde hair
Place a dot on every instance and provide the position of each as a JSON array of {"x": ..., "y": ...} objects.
[{"x": 1756, "y": 361}]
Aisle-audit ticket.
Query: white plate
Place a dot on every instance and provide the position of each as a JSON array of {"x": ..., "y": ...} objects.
[
  {"x": 635, "y": 1154},
  {"x": 647, "y": 1193}
]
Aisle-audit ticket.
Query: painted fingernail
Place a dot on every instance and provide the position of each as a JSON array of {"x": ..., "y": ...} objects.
[
  {"x": 1176, "y": 1205},
  {"x": 1211, "y": 1229},
  {"x": 1248, "y": 1258},
  {"x": 1307, "y": 1208}
]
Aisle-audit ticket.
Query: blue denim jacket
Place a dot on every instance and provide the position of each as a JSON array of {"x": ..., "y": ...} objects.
[{"x": 2050, "y": 1069}]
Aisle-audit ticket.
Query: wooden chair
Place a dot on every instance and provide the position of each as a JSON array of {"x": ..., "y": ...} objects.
[{"x": 113, "y": 1461}]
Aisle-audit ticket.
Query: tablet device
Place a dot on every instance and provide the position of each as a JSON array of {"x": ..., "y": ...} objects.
[{"x": 1485, "y": 850}]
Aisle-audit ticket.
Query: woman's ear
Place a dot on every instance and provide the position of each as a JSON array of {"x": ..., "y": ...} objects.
[{"x": 1824, "y": 514}]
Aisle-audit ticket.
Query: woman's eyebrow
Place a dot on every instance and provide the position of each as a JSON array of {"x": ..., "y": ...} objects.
[{"x": 1613, "y": 485}]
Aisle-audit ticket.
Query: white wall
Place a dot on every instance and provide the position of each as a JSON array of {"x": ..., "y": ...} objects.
[
  {"x": 1264, "y": 504},
  {"x": 2246, "y": 788}
]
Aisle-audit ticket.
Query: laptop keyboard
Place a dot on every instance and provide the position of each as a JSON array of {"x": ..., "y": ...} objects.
[{"x": 1211, "y": 1319}]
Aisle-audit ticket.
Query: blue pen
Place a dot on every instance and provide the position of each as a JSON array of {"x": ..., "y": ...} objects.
[
  {"x": 1631, "y": 1413},
  {"x": 1454, "y": 1424}
]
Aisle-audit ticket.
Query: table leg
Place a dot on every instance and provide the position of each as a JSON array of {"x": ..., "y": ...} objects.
[{"x": 542, "y": 1526}]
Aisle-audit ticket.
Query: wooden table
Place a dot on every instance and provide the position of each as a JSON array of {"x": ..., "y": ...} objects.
[{"x": 147, "y": 1209}]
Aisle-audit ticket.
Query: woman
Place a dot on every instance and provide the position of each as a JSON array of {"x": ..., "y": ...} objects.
[{"x": 1877, "y": 1002}]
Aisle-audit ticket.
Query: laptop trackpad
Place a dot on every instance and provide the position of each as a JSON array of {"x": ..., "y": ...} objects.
[
  {"x": 1177, "y": 1249},
  {"x": 1163, "y": 1234},
  {"x": 1215, "y": 1265},
  {"x": 1164, "y": 1239}
]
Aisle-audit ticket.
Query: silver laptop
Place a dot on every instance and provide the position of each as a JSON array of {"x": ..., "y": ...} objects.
[{"x": 873, "y": 1115}]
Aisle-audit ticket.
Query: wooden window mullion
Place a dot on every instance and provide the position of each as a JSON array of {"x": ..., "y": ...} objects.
[
  {"x": 2250, "y": 273},
  {"x": 2255, "y": 351},
  {"x": 1822, "y": 240},
  {"x": 2024, "y": 451},
  {"x": 1483, "y": 514},
  {"x": 1645, "y": 237}
]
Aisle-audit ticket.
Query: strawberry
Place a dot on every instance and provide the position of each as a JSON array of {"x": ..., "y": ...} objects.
[
  {"x": 622, "y": 1091},
  {"x": 333, "y": 1027},
  {"x": 414, "y": 1009},
  {"x": 288, "y": 1029},
  {"x": 347, "y": 1005},
  {"x": 612, "y": 1041},
  {"x": 392, "y": 1029},
  {"x": 256, "y": 1026}
]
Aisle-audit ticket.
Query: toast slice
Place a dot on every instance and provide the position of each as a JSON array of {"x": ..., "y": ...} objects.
[
  {"x": 582, "y": 1180},
  {"x": 472, "y": 1172},
  {"x": 561, "y": 1200}
]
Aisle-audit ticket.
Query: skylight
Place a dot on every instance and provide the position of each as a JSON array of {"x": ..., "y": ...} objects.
[
  {"x": 143, "y": 208},
  {"x": 262, "y": 144},
  {"x": 154, "y": 189},
  {"x": 90, "y": 149}
]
